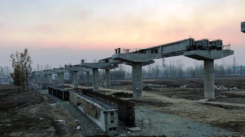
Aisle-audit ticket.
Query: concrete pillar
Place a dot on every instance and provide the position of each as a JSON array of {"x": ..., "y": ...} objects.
[
  {"x": 75, "y": 80},
  {"x": 50, "y": 78},
  {"x": 45, "y": 78},
  {"x": 137, "y": 81},
  {"x": 87, "y": 77},
  {"x": 38, "y": 78},
  {"x": 107, "y": 73},
  {"x": 95, "y": 79},
  {"x": 61, "y": 77},
  {"x": 209, "y": 79}
]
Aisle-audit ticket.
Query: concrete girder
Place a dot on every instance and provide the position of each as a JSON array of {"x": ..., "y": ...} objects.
[
  {"x": 206, "y": 55},
  {"x": 136, "y": 57},
  {"x": 142, "y": 63},
  {"x": 77, "y": 68},
  {"x": 96, "y": 65}
]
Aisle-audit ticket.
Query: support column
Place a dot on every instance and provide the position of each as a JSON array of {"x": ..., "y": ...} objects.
[
  {"x": 75, "y": 80},
  {"x": 137, "y": 81},
  {"x": 107, "y": 73},
  {"x": 209, "y": 79},
  {"x": 50, "y": 78},
  {"x": 95, "y": 79},
  {"x": 45, "y": 78},
  {"x": 38, "y": 78},
  {"x": 61, "y": 77},
  {"x": 87, "y": 77}
]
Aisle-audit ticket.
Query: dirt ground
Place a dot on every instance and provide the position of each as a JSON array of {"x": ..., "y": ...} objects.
[
  {"x": 227, "y": 112},
  {"x": 31, "y": 114},
  {"x": 34, "y": 114}
]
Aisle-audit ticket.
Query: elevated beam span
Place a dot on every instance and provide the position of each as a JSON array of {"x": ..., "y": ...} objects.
[
  {"x": 174, "y": 49},
  {"x": 76, "y": 68}
]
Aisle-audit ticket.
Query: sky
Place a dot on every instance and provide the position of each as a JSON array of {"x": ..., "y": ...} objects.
[{"x": 58, "y": 32}]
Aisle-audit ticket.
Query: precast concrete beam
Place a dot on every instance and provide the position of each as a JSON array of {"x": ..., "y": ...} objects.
[
  {"x": 77, "y": 68},
  {"x": 136, "y": 57},
  {"x": 206, "y": 54},
  {"x": 96, "y": 65},
  {"x": 243, "y": 27},
  {"x": 95, "y": 79},
  {"x": 137, "y": 81},
  {"x": 142, "y": 63},
  {"x": 209, "y": 79}
]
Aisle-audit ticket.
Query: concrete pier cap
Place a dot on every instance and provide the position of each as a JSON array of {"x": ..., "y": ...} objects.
[
  {"x": 137, "y": 60},
  {"x": 208, "y": 57}
]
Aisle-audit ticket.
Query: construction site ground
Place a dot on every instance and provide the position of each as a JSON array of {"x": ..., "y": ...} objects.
[
  {"x": 170, "y": 111},
  {"x": 226, "y": 112}
]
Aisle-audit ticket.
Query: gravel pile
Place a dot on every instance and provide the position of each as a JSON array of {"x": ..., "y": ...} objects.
[{"x": 158, "y": 123}]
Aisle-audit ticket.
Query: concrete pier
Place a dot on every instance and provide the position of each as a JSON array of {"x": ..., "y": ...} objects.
[
  {"x": 61, "y": 77},
  {"x": 87, "y": 77},
  {"x": 50, "y": 78},
  {"x": 75, "y": 80},
  {"x": 107, "y": 73},
  {"x": 95, "y": 79},
  {"x": 137, "y": 81},
  {"x": 46, "y": 77},
  {"x": 209, "y": 79}
]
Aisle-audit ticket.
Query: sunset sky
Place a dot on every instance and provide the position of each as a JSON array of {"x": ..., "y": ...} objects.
[{"x": 66, "y": 31}]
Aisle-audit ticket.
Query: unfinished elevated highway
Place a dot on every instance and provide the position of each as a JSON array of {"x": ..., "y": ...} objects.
[{"x": 203, "y": 49}]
